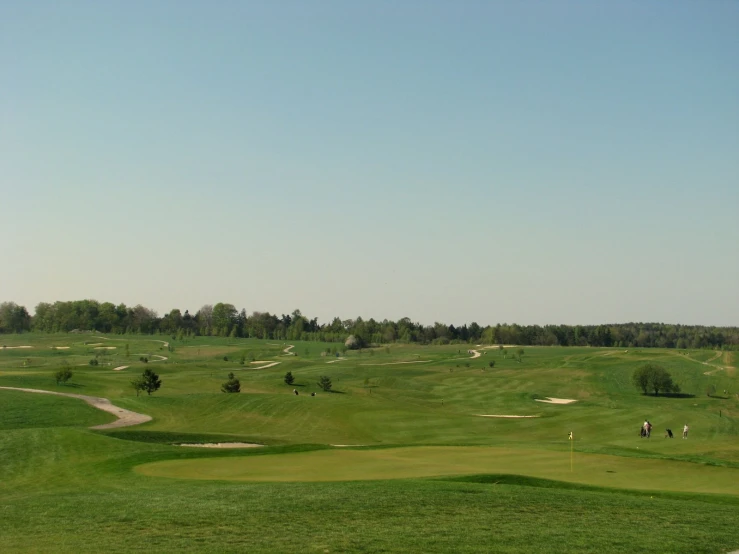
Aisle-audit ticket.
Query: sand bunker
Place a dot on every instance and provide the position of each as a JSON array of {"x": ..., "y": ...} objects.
[
  {"x": 287, "y": 350},
  {"x": 506, "y": 416},
  {"x": 336, "y": 360},
  {"x": 268, "y": 365},
  {"x": 475, "y": 354},
  {"x": 223, "y": 445},
  {"x": 260, "y": 362},
  {"x": 120, "y": 368},
  {"x": 551, "y": 400},
  {"x": 14, "y": 347},
  {"x": 105, "y": 348},
  {"x": 126, "y": 418},
  {"x": 60, "y": 347},
  {"x": 96, "y": 344}
]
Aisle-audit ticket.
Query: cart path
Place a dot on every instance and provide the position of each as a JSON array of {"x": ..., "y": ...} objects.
[{"x": 126, "y": 418}]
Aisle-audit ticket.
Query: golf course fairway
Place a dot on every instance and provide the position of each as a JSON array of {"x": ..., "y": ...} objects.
[{"x": 429, "y": 461}]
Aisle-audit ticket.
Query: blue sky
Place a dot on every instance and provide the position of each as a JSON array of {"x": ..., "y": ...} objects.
[{"x": 531, "y": 162}]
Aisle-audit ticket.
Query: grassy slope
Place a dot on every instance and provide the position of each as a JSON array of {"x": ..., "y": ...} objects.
[{"x": 74, "y": 490}]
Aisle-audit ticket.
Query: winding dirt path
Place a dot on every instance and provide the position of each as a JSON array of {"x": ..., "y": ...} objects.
[
  {"x": 287, "y": 350},
  {"x": 164, "y": 342},
  {"x": 717, "y": 368},
  {"x": 126, "y": 418},
  {"x": 475, "y": 354}
]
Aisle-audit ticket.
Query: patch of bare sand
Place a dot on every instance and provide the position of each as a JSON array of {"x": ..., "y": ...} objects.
[
  {"x": 346, "y": 445},
  {"x": 126, "y": 418},
  {"x": 551, "y": 400},
  {"x": 260, "y": 362},
  {"x": 506, "y": 416},
  {"x": 14, "y": 347},
  {"x": 268, "y": 365},
  {"x": 60, "y": 347},
  {"x": 120, "y": 368},
  {"x": 223, "y": 445},
  {"x": 105, "y": 347}
]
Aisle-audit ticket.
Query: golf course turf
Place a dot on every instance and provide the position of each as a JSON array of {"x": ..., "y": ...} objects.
[{"x": 432, "y": 476}]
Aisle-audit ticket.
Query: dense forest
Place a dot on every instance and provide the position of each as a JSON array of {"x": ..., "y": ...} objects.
[{"x": 225, "y": 320}]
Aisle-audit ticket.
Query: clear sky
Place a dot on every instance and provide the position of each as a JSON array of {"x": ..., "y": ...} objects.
[{"x": 530, "y": 162}]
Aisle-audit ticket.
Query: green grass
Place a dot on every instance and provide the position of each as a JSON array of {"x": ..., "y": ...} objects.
[
  {"x": 19, "y": 411},
  {"x": 435, "y": 478},
  {"x": 428, "y": 461}
]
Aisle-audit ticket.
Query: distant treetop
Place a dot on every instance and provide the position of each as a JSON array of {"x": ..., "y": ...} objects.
[{"x": 225, "y": 320}]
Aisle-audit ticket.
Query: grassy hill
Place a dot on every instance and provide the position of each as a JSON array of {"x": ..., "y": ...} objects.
[{"x": 430, "y": 474}]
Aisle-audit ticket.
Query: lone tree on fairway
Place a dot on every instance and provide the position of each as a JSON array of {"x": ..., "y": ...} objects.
[
  {"x": 63, "y": 375},
  {"x": 138, "y": 385},
  {"x": 654, "y": 377},
  {"x": 289, "y": 379},
  {"x": 150, "y": 381},
  {"x": 232, "y": 385},
  {"x": 325, "y": 383}
]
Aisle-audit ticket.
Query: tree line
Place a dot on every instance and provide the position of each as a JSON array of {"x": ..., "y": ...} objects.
[{"x": 224, "y": 319}]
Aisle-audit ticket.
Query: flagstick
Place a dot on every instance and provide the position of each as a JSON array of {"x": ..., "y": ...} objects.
[{"x": 572, "y": 451}]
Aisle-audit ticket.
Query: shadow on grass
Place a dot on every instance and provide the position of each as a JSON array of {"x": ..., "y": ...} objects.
[{"x": 672, "y": 395}]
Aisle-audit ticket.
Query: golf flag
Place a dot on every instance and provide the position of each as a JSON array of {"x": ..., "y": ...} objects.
[{"x": 572, "y": 452}]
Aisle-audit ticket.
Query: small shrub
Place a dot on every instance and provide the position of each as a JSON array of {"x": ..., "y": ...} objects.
[
  {"x": 325, "y": 383},
  {"x": 232, "y": 385},
  {"x": 63, "y": 375}
]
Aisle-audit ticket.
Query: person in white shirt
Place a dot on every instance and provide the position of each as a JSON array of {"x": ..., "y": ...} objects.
[{"x": 685, "y": 431}]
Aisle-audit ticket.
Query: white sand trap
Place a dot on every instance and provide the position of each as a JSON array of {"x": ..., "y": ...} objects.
[
  {"x": 14, "y": 347},
  {"x": 260, "y": 362},
  {"x": 105, "y": 348},
  {"x": 161, "y": 358},
  {"x": 120, "y": 368},
  {"x": 126, "y": 418},
  {"x": 223, "y": 445},
  {"x": 268, "y": 365},
  {"x": 287, "y": 350},
  {"x": 551, "y": 400},
  {"x": 475, "y": 354},
  {"x": 95, "y": 344},
  {"x": 336, "y": 360},
  {"x": 506, "y": 416},
  {"x": 347, "y": 445},
  {"x": 60, "y": 347}
]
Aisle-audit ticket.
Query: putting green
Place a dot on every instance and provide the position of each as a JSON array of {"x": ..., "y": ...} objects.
[{"x": 423, "y": 461}]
